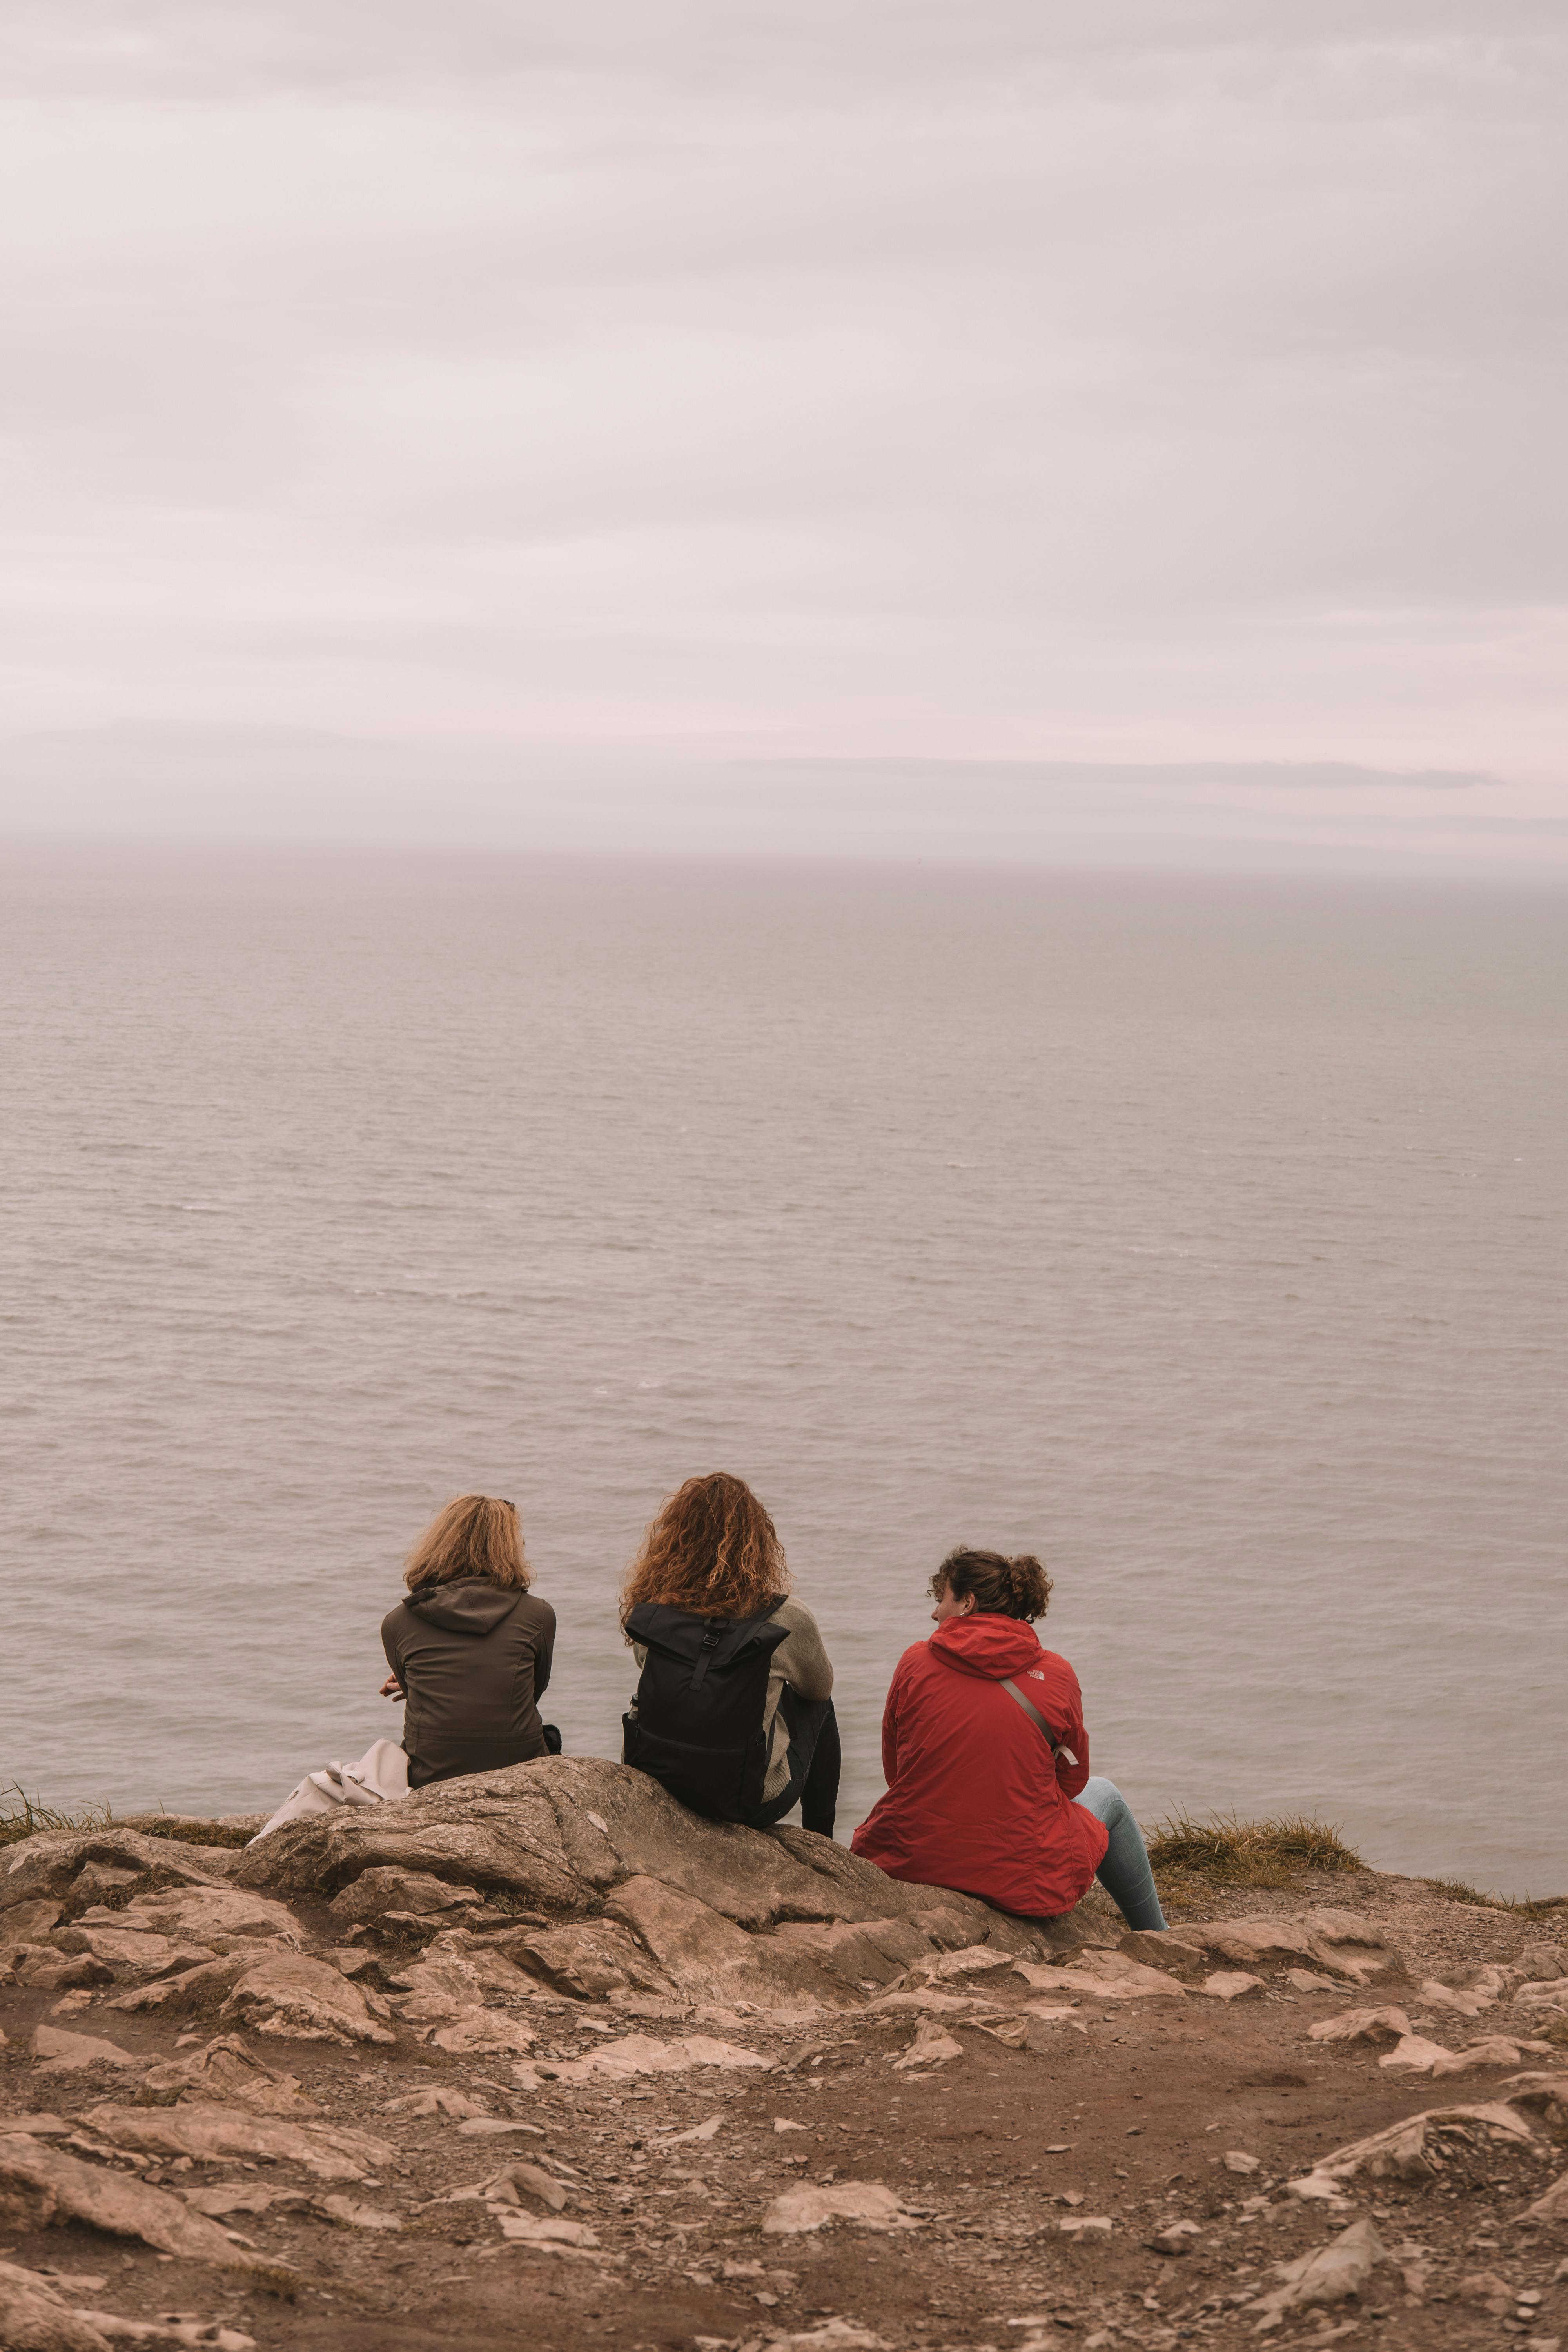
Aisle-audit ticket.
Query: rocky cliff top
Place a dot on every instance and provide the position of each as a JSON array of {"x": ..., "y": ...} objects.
[{"x": 542, "y": 2044}]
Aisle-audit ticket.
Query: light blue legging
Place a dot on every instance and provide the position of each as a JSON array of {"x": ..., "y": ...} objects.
[{"x": 1124, "y": 1874}]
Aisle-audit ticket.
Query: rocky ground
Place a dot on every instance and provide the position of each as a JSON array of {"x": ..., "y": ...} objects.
[{"x": 538, "y": 2057}]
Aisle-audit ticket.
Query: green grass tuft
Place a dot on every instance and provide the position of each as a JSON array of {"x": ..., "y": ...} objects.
[
  {"x": 22, "y": 1816},
  {"x": 1225, "y": 1852}
]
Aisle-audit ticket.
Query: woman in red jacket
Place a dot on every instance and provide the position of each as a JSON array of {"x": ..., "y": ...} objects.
[{"x": 986, "y": 1760}]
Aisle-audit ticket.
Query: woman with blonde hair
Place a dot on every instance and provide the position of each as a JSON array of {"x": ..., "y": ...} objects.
[
  {"x": 733, "y": 1712},
  {"x": 471, "y": 1647}
]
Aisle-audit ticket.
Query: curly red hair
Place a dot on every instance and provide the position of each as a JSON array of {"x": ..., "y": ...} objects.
[{"x": 711, "y": 1549}]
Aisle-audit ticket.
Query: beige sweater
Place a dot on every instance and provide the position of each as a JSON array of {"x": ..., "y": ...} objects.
[{"x": 802, "y": 1661}]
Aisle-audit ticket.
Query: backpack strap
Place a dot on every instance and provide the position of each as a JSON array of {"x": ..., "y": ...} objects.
[
  {"x": 1033, "y": 1712},
  {"x": 713, "y": 1634}
]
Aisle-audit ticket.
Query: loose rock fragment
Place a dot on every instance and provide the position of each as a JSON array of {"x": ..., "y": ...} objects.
[
  {"x": 708, "y": 2130},
  {"x": 1494, "y": 2051},
  {"x": 1362, "y": 2025},
  {"x": 706, "y": 1955},
  {"x": 40, "y": 2185},
  {"x": 374, "y": 1893},
  {"x": 1231, "y": 1984},
  {"x": 639, "y": 2053},
  {"x": 226, "y": 2068},
  {"x": 306, "y": 1999},
  {"x": 478, "y": 2030},
  {"x": 210, "y": 2133},
  {"x": 1331, "y": 2275},
  {"x": 1413, "y": 2054},
  {"x": 351, "y": 2216},
  {"x": 1485, "y": 2287},
  {"x": 1401, "y": 2152},
  {"x": 589, "y": 1959},
  {"x": 529, "y": 2230},
  {"x": 437, "y": 2102},
  {"x": 224, "y": 2198},
  {"x": 812, "y": 2206},
  {"x": 56, "y": 2050},
  {"x": 1466, "y": 2000},
  {"x": 216, "y": 1915},
  {"x": 1552, "y": 2207},
  {"x": 932, "y": 2046},
  {"x": 1035, "y": 2028},
  {"x": 1105, "y": 1976},
  {"x": 526, "y": 2179},
  {"x": 34, "y": 2317}
]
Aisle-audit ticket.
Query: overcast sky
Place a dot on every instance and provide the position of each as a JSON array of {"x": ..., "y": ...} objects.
[{"x": 959, "y": 427}]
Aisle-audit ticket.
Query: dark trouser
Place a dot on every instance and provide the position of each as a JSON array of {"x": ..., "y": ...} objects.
[{"x": 815, "y": 1760}]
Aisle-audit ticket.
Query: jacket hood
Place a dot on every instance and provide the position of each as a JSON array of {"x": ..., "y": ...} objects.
[
  {"x": 993, "y": 1647},
  {"x": 468, "y": 1604}
]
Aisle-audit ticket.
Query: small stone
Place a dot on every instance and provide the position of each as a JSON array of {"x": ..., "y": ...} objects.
[
  {"x": 1175, "y": 2238},
  {"x": 1237, "y": 2159},
  {"x": 1231, "y": 1984}
]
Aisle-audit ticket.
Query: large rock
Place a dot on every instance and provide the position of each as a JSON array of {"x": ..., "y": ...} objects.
[
  {"x": 627, "y": 1891},
  {"x": 98, "y": 1865},
  {"x": 708, "y": 1958},
  {"x": 223, "y": 1917},
  {"x": 1400, "y": 2151},
  {"x": 589, "y": 1959}
]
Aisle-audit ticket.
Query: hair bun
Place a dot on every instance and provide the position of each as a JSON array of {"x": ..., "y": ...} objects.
[{"x": 1019, "y": 1587}]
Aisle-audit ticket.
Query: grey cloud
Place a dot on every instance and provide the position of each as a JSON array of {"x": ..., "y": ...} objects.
[
  {"x": 1303, "y": 775},
  {"x": 1165, "y": 387}
]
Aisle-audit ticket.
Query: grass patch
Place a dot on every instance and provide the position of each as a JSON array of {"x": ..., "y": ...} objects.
[
  {"x": 1458, "y": 1890},
  {"x": 189, "y": 1829},
  {"x": 1225, "y": 1852},
  {"x": 22, "y": 1816}
]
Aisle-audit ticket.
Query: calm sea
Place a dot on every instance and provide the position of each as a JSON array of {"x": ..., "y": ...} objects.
[{"x": 1206, "y": 1237}]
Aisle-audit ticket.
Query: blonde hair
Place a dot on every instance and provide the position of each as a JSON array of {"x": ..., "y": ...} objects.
[
  {"x": 712, "y": 1550},
  {"x": 477, "y": 1535}
]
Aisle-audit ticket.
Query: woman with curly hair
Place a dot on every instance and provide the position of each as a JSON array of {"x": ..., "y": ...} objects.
[
  {"x": 986, "y": 1760},
  {"x": 734, "y": 1707}
]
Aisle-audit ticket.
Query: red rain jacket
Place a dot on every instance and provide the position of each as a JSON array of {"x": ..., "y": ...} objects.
[{"x": 975, "y": 1798}]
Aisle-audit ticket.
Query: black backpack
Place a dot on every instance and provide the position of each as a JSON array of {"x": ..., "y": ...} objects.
[{"x": 697, "y": 1725}]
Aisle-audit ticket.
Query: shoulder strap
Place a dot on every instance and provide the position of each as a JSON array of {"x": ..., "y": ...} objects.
[{"x": 1033, "y": 1712}]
